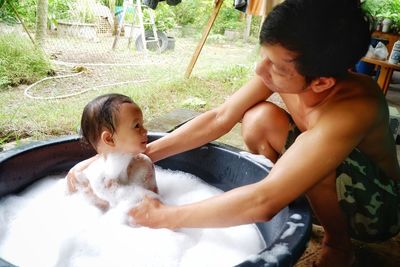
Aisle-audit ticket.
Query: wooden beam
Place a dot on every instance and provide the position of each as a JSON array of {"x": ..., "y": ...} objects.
[{"x": 206, "y": 31}]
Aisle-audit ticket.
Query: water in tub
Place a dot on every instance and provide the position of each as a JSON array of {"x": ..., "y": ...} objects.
[{"x": 44, "y": 226}]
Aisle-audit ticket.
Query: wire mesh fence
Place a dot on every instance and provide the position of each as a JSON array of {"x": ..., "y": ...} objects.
[{"x": 86, "y": 65}]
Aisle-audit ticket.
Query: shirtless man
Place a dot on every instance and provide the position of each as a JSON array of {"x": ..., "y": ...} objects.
[{"x": 336, "y": 146}]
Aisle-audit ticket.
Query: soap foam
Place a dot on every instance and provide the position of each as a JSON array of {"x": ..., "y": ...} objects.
[
  {"x": 44, "y": 226},
  {"x": 292, "y": 228}
]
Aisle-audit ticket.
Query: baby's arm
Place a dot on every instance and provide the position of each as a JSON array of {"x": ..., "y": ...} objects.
[
  {"x": 141, "y": 170},
  {"x": 76, "y": 179},
  {"x": 97, "y": 201}
]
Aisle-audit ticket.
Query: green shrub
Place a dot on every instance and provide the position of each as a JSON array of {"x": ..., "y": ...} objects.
[
  {"x": 194, "y": 12},
  {"x": 57, "y": 9},
  {"x": 197, "y": 12},
  {"x": 378, "y": 10},
  {"x": 165, "y": 17},
  {"x": 228, "y": 18},
  {"x": 20, "y": 61}
]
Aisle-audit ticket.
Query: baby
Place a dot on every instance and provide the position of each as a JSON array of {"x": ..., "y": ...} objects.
[{"x": 113, "y": 125}]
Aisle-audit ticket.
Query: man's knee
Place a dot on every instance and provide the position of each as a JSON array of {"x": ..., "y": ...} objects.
[
  {"x": 264, "y": 129},
  {"x": 261, "y": 119}
]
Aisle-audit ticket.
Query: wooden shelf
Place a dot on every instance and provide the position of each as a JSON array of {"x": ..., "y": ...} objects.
[{"x": 391, "y": 37}]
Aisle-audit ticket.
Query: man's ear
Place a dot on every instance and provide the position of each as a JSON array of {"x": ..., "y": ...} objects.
[
  {"x": 318, "y": 85},
  {"x": 107, "y": 138}
]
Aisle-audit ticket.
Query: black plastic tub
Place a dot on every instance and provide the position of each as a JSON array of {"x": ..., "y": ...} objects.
[{"x": 219, "y": 165}]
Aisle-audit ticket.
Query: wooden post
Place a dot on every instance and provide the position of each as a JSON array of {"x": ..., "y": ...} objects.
[
  {"x": 246, "y": 33},
  {"x": 206, "y": 31},
  {"x": 120, "y": 24},
  {"x": 41, "y": 22}
]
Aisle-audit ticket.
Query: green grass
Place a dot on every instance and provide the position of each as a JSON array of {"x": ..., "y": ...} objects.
[
  {"x": 20, "y": 61},
  {"x": 22, "y": 117},
  {"x": 218, "y": 73}
]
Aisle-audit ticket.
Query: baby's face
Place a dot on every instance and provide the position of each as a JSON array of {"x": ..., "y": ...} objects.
[{"x": 130, "y": 135}]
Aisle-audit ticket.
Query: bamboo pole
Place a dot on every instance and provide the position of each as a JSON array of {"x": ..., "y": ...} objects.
[
  {"x": 22, "y": 22},
  {"x": 206, "y": 31}
]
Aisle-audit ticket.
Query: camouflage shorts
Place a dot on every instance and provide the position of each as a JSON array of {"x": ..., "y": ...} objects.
[{"x": 370, "y": 200}]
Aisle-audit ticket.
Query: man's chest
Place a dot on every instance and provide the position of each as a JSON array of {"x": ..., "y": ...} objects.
[{"x": 303, "y": 116}]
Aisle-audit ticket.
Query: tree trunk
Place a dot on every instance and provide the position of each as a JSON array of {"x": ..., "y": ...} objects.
[{"x": 41, "y": 22}]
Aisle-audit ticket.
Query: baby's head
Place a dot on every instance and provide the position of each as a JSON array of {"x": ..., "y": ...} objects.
[{"x": 114, "y": 123}]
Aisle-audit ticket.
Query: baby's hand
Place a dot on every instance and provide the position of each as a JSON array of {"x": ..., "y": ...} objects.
[
  {"x": 108, "y": 183},
  {"x": 76, "y": 178},
  {"x": 101, "y": 203}
]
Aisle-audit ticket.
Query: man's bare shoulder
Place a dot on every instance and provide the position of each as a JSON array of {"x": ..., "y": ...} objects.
[{"x": 358, "y": 96}]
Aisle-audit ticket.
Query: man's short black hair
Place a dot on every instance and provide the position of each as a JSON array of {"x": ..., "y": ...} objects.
[{"x": 329, "y": 36}]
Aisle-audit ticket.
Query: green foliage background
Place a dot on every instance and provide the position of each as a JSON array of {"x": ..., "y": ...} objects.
[
  {"x": 381, "y": 9},
  {"x": 194, "y": 13}
]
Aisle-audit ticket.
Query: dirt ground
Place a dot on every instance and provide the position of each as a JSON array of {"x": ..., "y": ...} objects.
[{"x": 385, "y": 254}]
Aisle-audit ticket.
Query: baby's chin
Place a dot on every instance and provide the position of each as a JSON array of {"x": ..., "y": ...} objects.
[
  {"x": 137, "y": 151},
  {"x": 128, "y": 152},
  {"x": 133, "y": 151}
]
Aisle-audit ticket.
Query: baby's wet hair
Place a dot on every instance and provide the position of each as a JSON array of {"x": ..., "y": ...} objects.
[{"x": 101, "y": 114}]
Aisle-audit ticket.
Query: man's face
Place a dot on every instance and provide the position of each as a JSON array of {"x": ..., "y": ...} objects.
[
  {"x": 277, "y": 70},
  {"x": 130, "y": 135}
]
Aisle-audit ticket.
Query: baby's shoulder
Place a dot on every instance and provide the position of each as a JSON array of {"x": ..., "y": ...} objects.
[
  {"x": 142, "y": 158},
  {"x": 140, "y": 161}
]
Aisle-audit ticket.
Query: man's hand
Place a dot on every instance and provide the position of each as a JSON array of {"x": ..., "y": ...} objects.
[{"x": 149, "y": 213}]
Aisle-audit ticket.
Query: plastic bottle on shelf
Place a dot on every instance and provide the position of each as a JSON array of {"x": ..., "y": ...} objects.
[{"x": 395, "y": 54}]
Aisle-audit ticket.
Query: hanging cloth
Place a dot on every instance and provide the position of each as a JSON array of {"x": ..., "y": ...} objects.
[
  {"x": 153, "y": 3},
  {"x": 173, "y": 2},
  {"x": 240, "y": 5},
  {"x": 257, "y": 7}
]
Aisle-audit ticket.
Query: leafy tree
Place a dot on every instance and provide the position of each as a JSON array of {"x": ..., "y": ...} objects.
[{"x": 381, "y": 9}]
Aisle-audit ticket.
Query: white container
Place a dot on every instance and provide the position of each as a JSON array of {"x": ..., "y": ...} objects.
[
  {"x": 395, "y": 54},
  {"x": 386, "y": 25}
]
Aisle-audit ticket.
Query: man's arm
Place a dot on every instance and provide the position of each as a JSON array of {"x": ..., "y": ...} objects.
[
  {"x": 315, "y": 154},
  {"x": 211, "y": 124}
]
